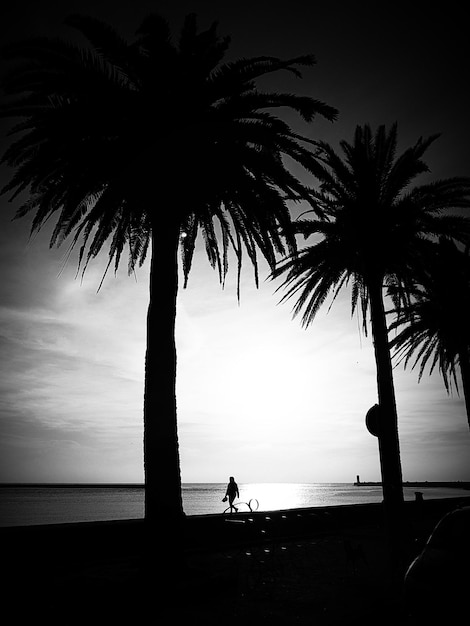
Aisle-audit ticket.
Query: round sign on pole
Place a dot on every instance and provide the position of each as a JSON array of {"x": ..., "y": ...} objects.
[{"x": 373, "y": 420}]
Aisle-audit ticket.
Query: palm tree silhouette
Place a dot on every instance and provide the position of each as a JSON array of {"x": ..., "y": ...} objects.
[
  {"x": 142, "y": 145},
  {"x": 434, "y": 322},
  {"x": 371, "y": 234}
]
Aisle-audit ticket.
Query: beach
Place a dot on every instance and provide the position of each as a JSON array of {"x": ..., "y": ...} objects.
[{"x": 329, "y": 565}]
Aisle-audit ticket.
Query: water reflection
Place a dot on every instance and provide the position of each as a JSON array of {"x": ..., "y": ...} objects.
[{"x": 274, "y": 496}]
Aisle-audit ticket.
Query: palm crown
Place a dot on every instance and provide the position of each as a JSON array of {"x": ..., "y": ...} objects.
[
  {"x": 119, "y": 139},
  {"x": 372, "y": 225}
]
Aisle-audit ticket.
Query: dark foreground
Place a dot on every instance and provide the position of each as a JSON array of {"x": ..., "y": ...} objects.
[{"x": 322, "y": 566}]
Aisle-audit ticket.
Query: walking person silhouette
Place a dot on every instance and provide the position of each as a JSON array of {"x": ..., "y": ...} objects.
[{"x": 231, "y": 493}]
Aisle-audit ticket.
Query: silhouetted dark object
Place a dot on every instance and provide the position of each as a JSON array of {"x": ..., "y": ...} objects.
[
  {"x": 370, "y": 232},
  {"x": 247, "y": 507},
  {"x": 437, "y": 581},
  {"x": 231, "y": 493},
  {"x": 373, "y": 421},
  {"x": 434, "y": 322},
  {"x": 143, "y": 145}
]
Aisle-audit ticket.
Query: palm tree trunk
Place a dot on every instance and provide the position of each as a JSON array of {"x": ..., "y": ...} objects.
[
  {"x": 464, "y": 362},
  {"x": 392, "y": 482},
  {"x": 163, "y": 497}
]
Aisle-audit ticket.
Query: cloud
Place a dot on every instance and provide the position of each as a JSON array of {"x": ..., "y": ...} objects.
[{"x": 71, "y": 383}]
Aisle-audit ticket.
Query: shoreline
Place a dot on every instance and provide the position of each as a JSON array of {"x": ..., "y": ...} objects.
[
  {"x": 215, "y": 528},
  {"x": 44, "y": 505}
]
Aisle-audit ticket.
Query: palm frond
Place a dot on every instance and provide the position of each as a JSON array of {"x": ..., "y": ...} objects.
[
  {"x": 107, "y": 129},
  {"x": 372, "y": 225},
  {"x": 432, "y": 327}
]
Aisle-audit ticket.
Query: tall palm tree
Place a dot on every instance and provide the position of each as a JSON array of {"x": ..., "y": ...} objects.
[
  {"x": 370, "y": 234},
  {"x": 142, "y": 145},
  {"x": 434, "y": 323}
]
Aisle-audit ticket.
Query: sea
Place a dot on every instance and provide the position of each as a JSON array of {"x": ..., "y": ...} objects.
[{"x": 24, "y": 505}]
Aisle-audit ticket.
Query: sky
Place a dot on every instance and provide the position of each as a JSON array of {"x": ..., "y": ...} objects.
[{"x": 259, "y": 397}]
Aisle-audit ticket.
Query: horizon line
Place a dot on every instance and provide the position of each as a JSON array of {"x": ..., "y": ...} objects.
[{"x": 139, "y": 485}]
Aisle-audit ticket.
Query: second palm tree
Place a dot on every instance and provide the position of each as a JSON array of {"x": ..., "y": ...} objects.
[{"x": 371, "y": 234}]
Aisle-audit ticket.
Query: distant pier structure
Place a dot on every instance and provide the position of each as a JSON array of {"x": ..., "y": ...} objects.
[{"x": 456, "y": 484}]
